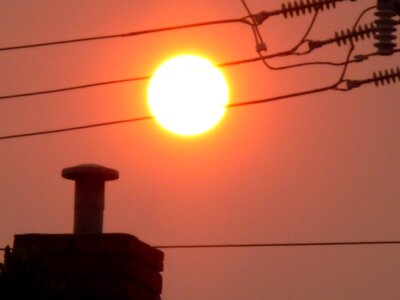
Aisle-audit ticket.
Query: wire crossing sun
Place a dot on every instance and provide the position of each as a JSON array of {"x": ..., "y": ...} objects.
[{"x": 188, "y": 95}]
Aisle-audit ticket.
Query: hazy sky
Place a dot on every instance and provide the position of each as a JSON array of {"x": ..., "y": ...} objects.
[{"x": 318, "y": 168}]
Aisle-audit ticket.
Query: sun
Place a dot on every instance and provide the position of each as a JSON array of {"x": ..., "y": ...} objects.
[{"x": 188, "y": 95}]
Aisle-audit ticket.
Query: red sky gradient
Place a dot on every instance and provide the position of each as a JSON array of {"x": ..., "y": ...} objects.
[{"x": 318, "y": 168}]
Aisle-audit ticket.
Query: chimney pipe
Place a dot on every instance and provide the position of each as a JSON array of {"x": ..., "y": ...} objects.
[{"x": 89, "y": 195}]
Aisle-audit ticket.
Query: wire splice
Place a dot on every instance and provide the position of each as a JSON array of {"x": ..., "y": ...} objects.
[{"x": 302, "y": 7}]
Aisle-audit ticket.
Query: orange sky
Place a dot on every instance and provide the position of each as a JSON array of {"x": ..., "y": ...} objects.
[{"x": 323, "y": 167}]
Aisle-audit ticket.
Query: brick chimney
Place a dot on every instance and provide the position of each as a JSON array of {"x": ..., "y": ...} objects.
[{"x": 86, "y": 265}]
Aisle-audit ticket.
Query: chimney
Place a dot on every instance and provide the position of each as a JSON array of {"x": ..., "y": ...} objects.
[
  {"x": 88, "y": 264},
  {"x": 89, "y": 195}
]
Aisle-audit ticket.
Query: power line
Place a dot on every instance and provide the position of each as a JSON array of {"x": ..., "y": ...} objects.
[
  {"x": 260, "y": 47},
  {"x": 391, "y": 76},
  {"x": 289, "y": 9},
  {"x": 237, "y": 104},
  {"x": 147, "y": 77},
  {"x": 45, "y": 132},
  {"x": 232, "y": 105},
  {"x": 74, "y": 87},
  {"x": 144, "y": 118},
  {"x": 109, "y": 82},
  {"x": 283, "y": 97},
  {"x": 127, "y": 34},
  {"x": 271, "y": 245},
  {"x": 132, "y": 79},
  {"x": 334, "y": 86}
]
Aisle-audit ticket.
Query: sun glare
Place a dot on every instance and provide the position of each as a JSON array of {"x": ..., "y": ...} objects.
[{"x": 188, "y": 95}]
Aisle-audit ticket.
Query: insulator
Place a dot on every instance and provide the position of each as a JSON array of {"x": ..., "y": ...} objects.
[
  {"x": 297, "y": 8},
  {"x": 360, "y": 33},
  {"x": 387, "y": 76},
  {"x": 385, "y": 29}
]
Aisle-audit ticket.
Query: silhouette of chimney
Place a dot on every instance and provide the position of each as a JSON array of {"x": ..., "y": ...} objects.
[
  {"x": 89, "y": 195},
  {"x": 85, "y": 265}
]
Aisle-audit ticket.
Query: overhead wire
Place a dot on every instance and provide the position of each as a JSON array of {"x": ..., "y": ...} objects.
[
  {"x": 74, "y": 87},
  {"x": 282, "y": 97},
  {"x": 132, "y": 79},
  {"x": 127, "y": 34},
  {"x": 225, "y": 64},
  {"x": 144, "y": 118},
  {"x": 270, "y": 245},
  {"x": 74, "y": 128},
  {"x": 147, "y": 77},
  {"x": 125, "y": 80},
  {"x": 260, "y": 47},
  {"x": 232, "y": 105},
  {"x": 262, "y": 17},
  {"x": 274, "y": 245},
  {"x": 334, "y": 86}
]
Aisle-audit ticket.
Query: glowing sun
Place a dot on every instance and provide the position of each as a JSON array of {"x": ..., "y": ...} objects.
[{"x": 188, "y": 95}]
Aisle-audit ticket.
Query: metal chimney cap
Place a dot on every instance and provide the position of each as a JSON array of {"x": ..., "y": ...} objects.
[{"x": 94, "y": 171}]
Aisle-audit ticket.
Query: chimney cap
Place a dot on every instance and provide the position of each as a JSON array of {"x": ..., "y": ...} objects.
[{"x": 93, "y": 171}]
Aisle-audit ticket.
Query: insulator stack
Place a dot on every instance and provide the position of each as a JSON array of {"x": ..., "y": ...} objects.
[
  {"x": 386, "y": 77},
  {"x": 303, "y": 7},
  {"x": 362, "y": 32},
  {"x": 385, "y": 29}
]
